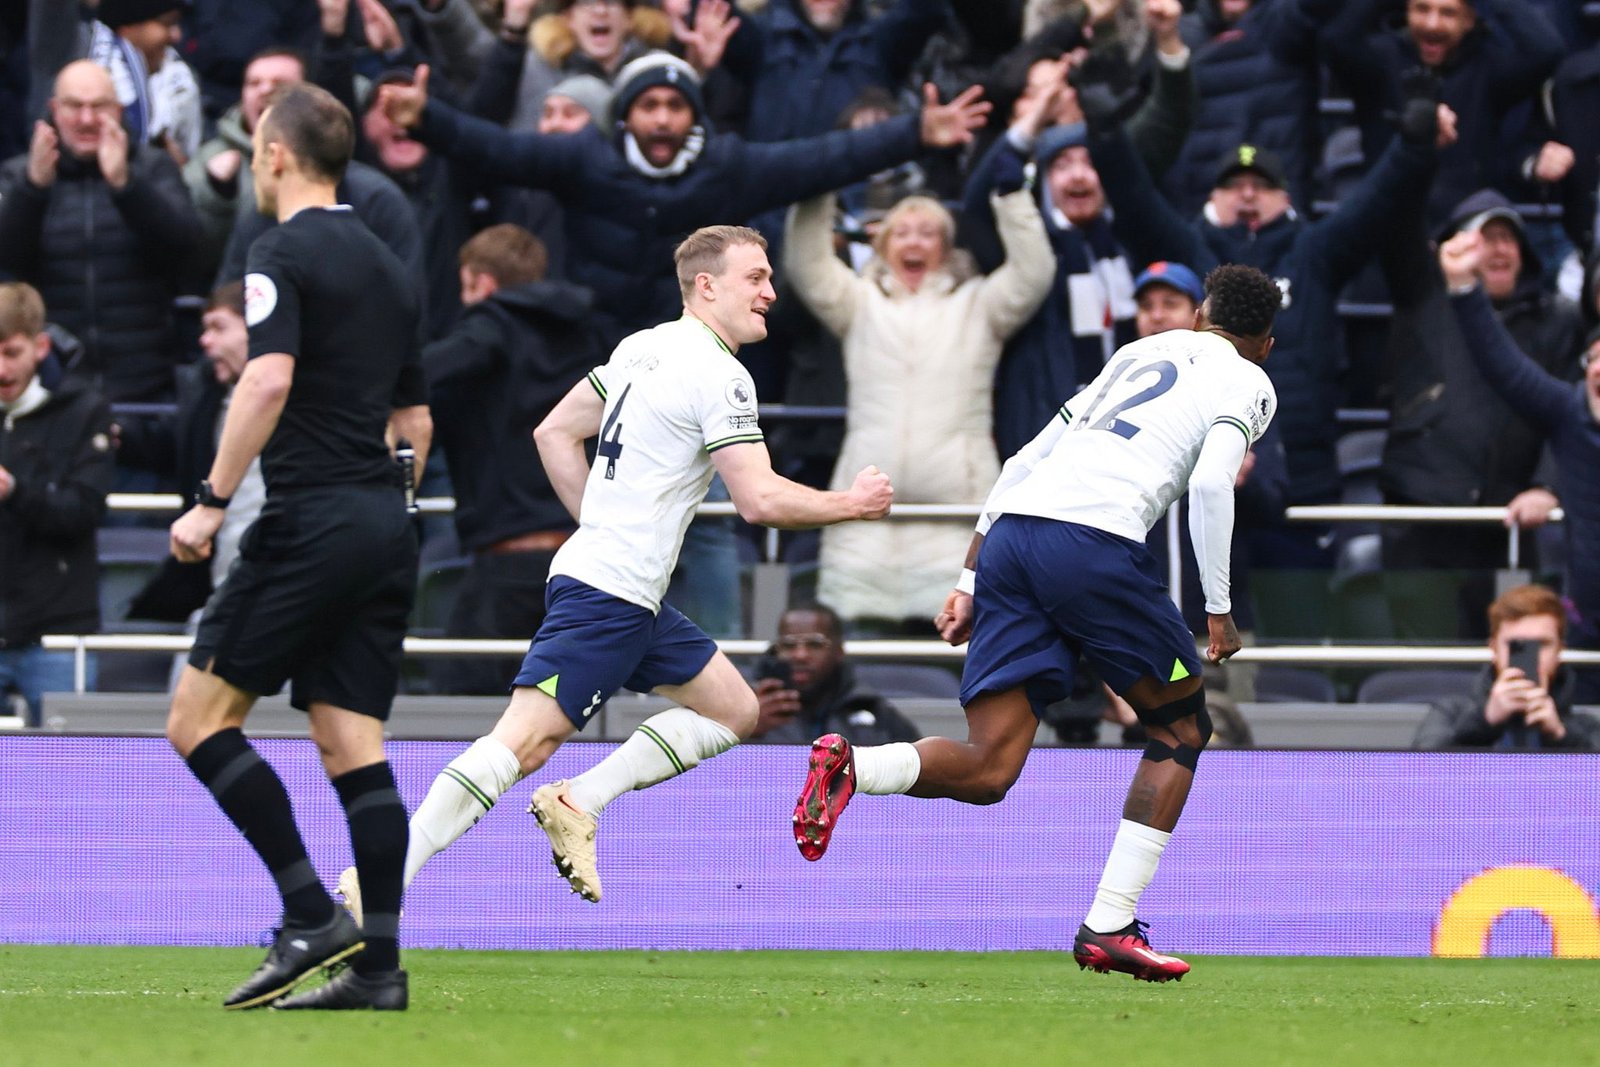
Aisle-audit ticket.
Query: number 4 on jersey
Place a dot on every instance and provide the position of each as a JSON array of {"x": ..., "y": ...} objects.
[{"x": 610, "y": 448}]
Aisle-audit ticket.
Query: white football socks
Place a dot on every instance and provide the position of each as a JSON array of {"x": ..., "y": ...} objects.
[
  {"x": 885, "y": 769},
  {"x": 1132, "y": 863},
  {"x": 664, "y": 746},
  {"x": 461, "y": 795}
]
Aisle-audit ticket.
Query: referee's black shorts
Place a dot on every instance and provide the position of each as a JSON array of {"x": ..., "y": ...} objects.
[{"x": 319, "y": 596}]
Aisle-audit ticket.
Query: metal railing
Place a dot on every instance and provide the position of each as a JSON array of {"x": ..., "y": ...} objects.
[
  {"x": 1322, "y": 655},
  {"x": 930, "y": 650},
  {"x": 1324, "y": 513}
]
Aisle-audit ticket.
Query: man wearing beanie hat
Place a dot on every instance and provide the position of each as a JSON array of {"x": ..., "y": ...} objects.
[
  {"x": 569, "y": 106},
  {"x": 659, "y": 114},
  {"x": 575, "y": 102},
  {"x": 135, "y": 40},
  {"x": 1454, "y": 440},
  {"x": 655, "y": 70},
  {"x": 632, "y": 189}
]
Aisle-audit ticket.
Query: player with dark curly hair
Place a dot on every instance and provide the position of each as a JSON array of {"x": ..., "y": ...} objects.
[
  {"x": 1059, "y": 566},
  {"x": 1241, "y": 301}
]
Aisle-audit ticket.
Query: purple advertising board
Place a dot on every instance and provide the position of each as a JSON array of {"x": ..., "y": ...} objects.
[{"x": 109, "y": 840}]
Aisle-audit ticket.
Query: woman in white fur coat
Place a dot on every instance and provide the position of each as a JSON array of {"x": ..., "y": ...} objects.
[{"x": 922, "y": 333}]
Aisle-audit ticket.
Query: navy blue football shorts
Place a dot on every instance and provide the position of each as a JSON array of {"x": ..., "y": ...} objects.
[
  {"x": 591, "y": 644},
  {"x": 1049, "y": 590}
]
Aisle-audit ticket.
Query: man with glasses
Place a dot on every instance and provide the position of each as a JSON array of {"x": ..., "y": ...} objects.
[
  {"x": 99, "y": 226},
  {"x": 806, "y": 687}
]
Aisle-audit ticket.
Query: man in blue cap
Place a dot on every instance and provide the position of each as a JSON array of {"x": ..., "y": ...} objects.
[{"x": 1166, "y": 295}]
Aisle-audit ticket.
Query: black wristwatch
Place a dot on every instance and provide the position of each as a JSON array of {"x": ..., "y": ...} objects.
[{"x": 206, "y": 497}]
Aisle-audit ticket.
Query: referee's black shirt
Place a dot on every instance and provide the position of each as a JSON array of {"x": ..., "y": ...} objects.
[{"x": 323, "y": 289}]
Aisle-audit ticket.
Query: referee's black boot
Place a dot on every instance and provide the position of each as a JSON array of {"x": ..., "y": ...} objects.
[
  {"x": 349, "y": 991},
  {"x": 296, "y": 954}
]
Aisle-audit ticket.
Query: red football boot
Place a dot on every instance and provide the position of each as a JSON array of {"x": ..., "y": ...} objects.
[
  {"x": 830, "y": 783},
  {"x": 1128, "y": 951}
]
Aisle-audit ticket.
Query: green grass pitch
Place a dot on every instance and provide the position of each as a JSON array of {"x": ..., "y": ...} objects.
[{"x": 133, "y": 1006}]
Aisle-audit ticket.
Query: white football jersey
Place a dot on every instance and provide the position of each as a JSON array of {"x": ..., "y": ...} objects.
[
  {"x": 1120, "y": 452},
  {"x": 673, "y": 395}
]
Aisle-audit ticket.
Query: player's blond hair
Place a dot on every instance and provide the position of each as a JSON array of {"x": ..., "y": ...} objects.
[
  {"x": 21, "y": 310},
  {"x": 705, "y": 251}
]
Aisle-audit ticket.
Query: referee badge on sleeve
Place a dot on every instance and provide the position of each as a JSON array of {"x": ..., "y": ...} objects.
[{"x": 260, "y": 297}]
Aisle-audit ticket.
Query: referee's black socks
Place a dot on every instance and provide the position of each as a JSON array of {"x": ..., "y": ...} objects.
[
  {"x": 251, "y": 794},
  {"x": 378, "y": 837}
]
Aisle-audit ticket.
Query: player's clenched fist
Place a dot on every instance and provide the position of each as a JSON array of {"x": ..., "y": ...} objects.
[
  {"x": 954, "y": 622},
  {"x": 873, "y": 493}
]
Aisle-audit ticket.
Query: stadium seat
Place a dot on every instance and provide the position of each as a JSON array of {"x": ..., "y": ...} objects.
[
  {"x": 436, "y": 595},
  {"x": 1360, "y": 597},
  {"x": 1360, "y": 451},
  {"x": 1359, "y": 603},
  {"x": 129, "y": 557},
  {"x": 908, "y": 680},
  {"x": 1277, "y": 684},
  {"x": 1415, "y": 685}
]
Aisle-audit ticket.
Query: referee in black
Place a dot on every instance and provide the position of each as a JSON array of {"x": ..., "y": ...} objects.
[{"x": 323, "y": 586}]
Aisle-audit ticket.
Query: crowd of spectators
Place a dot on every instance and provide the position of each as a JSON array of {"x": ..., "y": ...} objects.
[{"x": 971, "y": 206}]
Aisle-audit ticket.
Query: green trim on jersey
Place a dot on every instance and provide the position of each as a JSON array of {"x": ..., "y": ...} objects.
[
  {"x": 594, "y": 380},
  {"x": 714, "y": 335},
  {"x": 736, "y": 439},
  {"x": 548, "y": 686},
  {"x": 1238, "y": 424},
  {"x": 1179, "y": 671}
]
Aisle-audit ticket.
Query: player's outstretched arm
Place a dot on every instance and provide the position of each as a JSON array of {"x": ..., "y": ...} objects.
[
  {"x": 1211, "y": 529},
  {"x": 767, "y": 498},
  {"x": 560, "y": 439}
]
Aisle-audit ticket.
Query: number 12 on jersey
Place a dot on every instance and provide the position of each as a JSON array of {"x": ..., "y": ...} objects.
[
  {"x": 610, "y": 448},
  {"x": 1165, "y": 375}
]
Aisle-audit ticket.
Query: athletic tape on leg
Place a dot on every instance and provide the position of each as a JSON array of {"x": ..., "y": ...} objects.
[{"x": 1187, "y": 756}]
